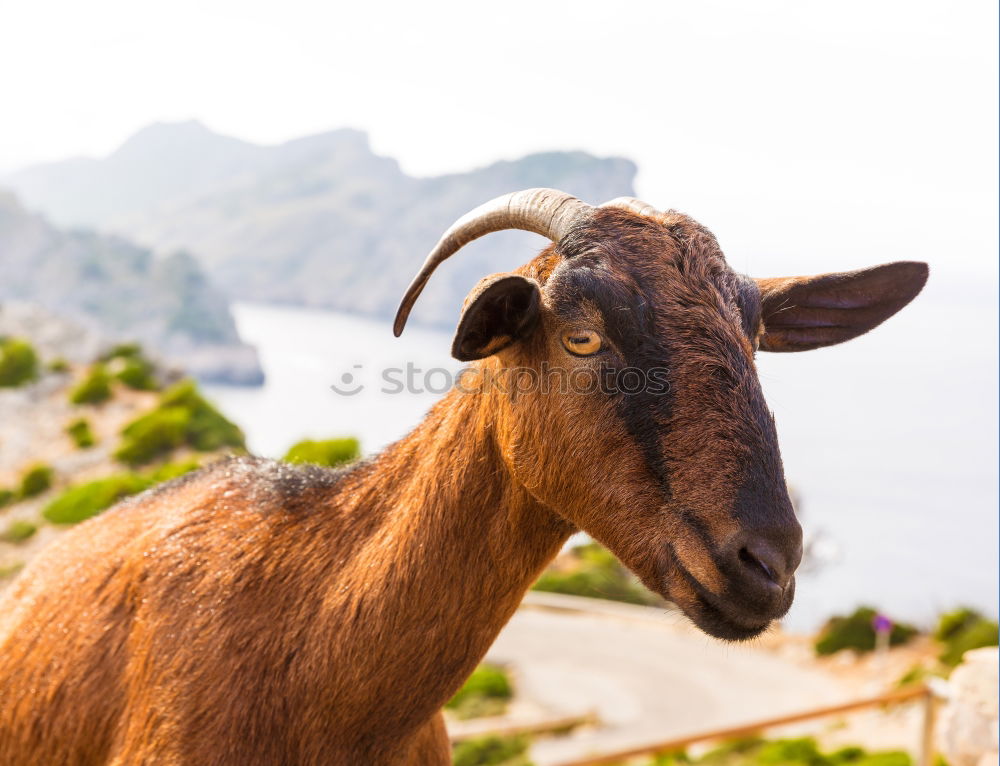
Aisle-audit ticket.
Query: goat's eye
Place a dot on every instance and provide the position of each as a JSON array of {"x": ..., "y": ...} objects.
[{"x": 582, "y": 342}]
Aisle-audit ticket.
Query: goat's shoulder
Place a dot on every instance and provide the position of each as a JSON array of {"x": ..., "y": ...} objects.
[
  {"x": 253, "y": 484},
  {"x": 234, "y": 503}
]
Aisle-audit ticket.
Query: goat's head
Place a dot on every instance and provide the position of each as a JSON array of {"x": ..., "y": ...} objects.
[{"x": 626, "y": 397}]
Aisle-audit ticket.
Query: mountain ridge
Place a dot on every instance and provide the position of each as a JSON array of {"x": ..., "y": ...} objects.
[
  {"x": 123, "y": 291},
  {"x": 320, "y": 221}
]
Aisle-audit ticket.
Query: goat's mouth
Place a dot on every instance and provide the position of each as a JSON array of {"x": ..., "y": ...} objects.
[{"x": 726, "y": 617}]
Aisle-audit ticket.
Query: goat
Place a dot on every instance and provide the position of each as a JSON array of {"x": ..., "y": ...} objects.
[{"x": 262, "y": 613}]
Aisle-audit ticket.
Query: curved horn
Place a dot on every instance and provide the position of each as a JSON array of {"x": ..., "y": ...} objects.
[
  {"x": 544, "y": 211},
  {"x": 636, "y": 206}
]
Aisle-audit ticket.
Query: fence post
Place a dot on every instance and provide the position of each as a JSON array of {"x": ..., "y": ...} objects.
[{"x": 927, "y": 740}]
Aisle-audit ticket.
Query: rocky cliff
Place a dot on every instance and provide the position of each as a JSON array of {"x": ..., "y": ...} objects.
[
  {"x": 320, "y": 221},
  {"x": 122, "y": 292}
]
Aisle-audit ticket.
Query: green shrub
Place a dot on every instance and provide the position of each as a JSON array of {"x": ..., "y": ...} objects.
[
  {"x": 915, "y": 675},
  {"x": 82, "y": 501},
  {"x": 153, "y": 435},
  {"x": 208, "y": 429},
  {"x": 122, "y": 351},
  {"x": 803, "y": 751},
  {"x": 18, "y": 531},
  {"x": 735, "y": 749},
  {"x": 331, "y": 452},
  {"x": 850, "y": 754},
  {"x": 492, "y": 750},
  {"x": 58, "y": 365},
  {"x": 79, "y": 431},
  {"x": 36, "y": 480},
  {"x": 950, "y": 624},
  {"x": 885, "y": 758},
  {"x": 677, "y": 758},
  {"x": 137, "y": 373},
  {"x": 18, "y": 363},
  {"x": 976, "y": 634},
  {"x": 6, "y": 496},
  {"x": 855, "y": 631},
  {"x": 598, "y": 574},
  {"x": 169, "y": 471},
  {"x": 131, "y": 367},
  {"x": 93, "y": 389},
  {"x": 10, "y": 570},
  {"x": 182, "y": 418},
  {"x": 486, "y": 692}
]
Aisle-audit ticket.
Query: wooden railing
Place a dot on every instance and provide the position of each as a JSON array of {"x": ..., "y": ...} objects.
[{"x": 924, "y": 693}]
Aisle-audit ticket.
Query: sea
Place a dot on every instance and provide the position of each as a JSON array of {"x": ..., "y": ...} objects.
[{"x": 889, "y": 441}]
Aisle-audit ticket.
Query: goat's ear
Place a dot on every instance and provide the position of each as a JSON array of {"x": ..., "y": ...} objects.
[
  {"x": 501, "y": 309},
  {"x": 802, "y": 313}
]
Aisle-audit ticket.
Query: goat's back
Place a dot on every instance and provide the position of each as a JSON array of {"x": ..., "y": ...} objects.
[{"x": 152, "y": 632}]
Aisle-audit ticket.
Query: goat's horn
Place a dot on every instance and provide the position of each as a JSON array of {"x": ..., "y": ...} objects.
[
  {"x": 544, "y": 211},
  {"x": 637, "y": 206}
]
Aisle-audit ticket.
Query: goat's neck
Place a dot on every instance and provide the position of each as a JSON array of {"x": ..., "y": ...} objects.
[{"x": 455, "y": 542}]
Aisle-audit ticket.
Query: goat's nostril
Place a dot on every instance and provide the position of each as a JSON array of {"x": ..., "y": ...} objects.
[{"x": 766, "y": 561}]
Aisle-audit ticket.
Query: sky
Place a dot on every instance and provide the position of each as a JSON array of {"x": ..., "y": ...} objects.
[
  {"x": 743, "y": 114},
  {"x": 800, "y": 132}
]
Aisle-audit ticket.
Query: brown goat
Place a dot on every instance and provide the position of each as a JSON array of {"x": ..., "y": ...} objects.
[{"x": 262, "y": 613}]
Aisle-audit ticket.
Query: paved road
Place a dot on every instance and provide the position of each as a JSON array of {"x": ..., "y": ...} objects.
[{"x": 648, "y": 679}]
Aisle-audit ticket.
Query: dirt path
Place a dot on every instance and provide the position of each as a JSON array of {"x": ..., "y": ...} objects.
[{"x": 647, "y": 679}]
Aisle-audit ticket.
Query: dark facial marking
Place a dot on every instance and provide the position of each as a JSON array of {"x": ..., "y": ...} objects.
[
  {"x": 748, "y": 302},
  {"x": 628, "y": 311}
]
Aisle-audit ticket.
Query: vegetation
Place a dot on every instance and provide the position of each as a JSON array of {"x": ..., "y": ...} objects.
[
  {"x": 182, "y": 418},
  {"x": 93, "y": 389},
  {"x": 9, "y": 570},
  {"x": 804, "y": 751},
  {"x": 492, "y": 751},
  {"x": 82, "y": 501},
  {"x": 332, "y": 452},
  {"x": 915, "y": 675},
  {"x": 596, "y": 573},
  {"x": 131, "y": 367},
  {"x": 122, "y": 351},
  {"x": 36, "y": 480},
  {"x": 58, "y": 365},
  {"x": 6, "y": 496},
  {"x": 137, "y": 373},
  {"x": 18, "y": 531},
  {"x": 855, "y": 631},
  {"x": 153, "y": 435},
  {"x": 486, "y": 692},
  {"x": 79, "y": 431},
  {"x": 18, "y": 363},
  {"x": 962, "y": 630}
]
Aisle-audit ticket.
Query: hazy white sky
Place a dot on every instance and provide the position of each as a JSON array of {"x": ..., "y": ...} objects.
[{"x": 880, "y": 114}]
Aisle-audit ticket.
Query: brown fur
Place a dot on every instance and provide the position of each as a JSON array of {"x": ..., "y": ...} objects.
[{"x": 261, "y": 613}]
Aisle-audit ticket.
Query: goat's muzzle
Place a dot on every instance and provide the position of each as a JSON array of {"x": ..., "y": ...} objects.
[{"x": 751, "y": 582}]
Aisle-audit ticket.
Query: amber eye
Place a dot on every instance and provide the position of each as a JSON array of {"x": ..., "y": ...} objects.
[{"x": 582, "y": 342}]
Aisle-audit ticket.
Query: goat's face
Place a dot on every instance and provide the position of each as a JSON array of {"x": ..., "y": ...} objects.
[{"x": 620, "y": 366}]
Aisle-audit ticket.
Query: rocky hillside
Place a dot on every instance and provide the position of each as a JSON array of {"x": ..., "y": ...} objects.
[
  {"x": 320, "y": 221},
  {"x": 84, "y": 423},
  {"x": 123, "y": 292}
]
